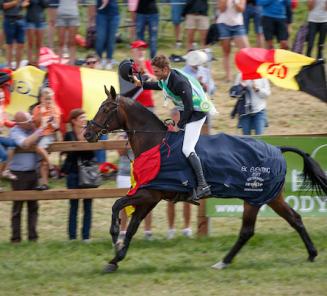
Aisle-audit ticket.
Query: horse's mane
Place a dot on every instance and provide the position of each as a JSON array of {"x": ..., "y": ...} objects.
[{"x": 143, "y": 112}]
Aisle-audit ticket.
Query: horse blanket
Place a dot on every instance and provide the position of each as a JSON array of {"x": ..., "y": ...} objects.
[{"x": 234, "y": 166}]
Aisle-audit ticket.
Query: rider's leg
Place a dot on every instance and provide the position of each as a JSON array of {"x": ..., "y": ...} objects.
[{"x": 192, "y": 134}]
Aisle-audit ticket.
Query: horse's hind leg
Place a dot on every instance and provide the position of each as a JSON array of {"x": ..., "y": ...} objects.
[
  {"x": 294, "y": 219},
  {"x": 247, "y": 231}
]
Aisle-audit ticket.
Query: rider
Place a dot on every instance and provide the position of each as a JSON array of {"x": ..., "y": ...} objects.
[{"x": 190, "y": 99}]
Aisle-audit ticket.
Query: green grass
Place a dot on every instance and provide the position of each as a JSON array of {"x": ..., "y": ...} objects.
[{"x": 272, "y": 263}]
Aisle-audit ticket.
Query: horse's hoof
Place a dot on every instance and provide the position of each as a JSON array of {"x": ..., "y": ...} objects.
[
  {"x": 220, "y": 265},
  {"x": 313, "y": 256},
  {"x": 110, "y": 267}
]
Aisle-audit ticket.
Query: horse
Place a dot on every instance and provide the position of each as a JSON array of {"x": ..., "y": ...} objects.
[{"x": 145, "y": 130}]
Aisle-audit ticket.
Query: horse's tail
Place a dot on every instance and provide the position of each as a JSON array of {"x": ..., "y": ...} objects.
[{"x": 311, "y": 171}]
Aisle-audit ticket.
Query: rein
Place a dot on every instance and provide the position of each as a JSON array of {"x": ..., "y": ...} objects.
[
  {"x": 104, "y": 127},
  {"x": 132, "y": 131}
]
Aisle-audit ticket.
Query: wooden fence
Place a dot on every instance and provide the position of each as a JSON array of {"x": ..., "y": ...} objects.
[{"x": 59, "y": 194}]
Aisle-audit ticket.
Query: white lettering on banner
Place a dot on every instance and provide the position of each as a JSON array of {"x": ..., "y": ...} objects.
[
  {"x": 307, "y": 204},
  {"x": 302, "y": 204},
  {"x": 229, "y": 208},
  {"x": 297, "y": 180}
]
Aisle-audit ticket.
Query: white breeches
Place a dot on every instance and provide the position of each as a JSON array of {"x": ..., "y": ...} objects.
[{"x": 191, "y": 136}]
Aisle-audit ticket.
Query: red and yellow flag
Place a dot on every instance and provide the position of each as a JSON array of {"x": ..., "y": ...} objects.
[
  {"x": 80, "y": 87},
  {"x": 284, "y": 68}
]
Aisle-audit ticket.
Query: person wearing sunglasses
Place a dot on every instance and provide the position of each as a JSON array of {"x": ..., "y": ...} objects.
[
  {"x": 24, "y": 167},
  {"x": 92, "y": 61}
]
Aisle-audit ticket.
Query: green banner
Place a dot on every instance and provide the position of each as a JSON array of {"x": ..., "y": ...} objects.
[{"x": 304, "y": 202}]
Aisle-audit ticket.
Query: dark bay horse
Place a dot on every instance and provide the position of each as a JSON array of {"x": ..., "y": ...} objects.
[{"x": 145, "y": 131}]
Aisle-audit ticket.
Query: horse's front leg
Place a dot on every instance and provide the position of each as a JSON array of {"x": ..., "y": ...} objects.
[
  {"x": 143, "y": 205},
  {"x": 115, "y": 221}
]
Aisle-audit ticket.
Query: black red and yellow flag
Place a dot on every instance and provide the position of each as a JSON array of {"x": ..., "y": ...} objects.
[{"x": 285, "y": 69}]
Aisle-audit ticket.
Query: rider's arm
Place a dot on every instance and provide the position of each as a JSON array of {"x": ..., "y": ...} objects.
[
  {"x": 146, "y": 84},
  {"x": 151, "y": 85},
  {"x": 185, "y": 92}
]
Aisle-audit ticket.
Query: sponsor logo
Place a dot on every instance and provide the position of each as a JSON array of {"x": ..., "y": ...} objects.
[{"x": 278, "y": 70}]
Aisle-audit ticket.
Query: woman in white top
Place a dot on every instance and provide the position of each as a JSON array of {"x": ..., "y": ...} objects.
[
  {"x": 252, "y": 114},
  {"x": 231, "y": 27},
  {"x": 317, "y": 19}
]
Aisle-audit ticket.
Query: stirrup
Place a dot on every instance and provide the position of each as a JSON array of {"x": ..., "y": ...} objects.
[
  {"x": 203, "y": 191},
  {"x": 193, "y": 199}
]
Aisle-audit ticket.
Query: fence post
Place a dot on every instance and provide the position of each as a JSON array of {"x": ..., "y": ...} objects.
[{"x": 202, "y": 226}]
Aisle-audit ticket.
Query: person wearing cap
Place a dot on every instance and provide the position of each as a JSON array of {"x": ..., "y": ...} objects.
[
  {"x": 188, "y": 96},
  {"x": 195, "y": 66},
  {"x": 107, "y": 22},
  {"x": 143, "y": 66},
  {"x": 24, "y": 167}
]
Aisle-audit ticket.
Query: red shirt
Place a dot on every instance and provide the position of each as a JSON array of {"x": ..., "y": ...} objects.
[{"x": 145, "y": 98}]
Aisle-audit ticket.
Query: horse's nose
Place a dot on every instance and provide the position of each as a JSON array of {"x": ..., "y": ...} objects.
[{"x": 89, "y": 136}]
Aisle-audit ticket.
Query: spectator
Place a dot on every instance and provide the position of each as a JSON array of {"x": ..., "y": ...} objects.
[
  {"x": 5, "y": 142},
  {"x": 317, "y": 19},
  {"x": 91, "y": 11},
  {"x": 195, "y": 66},
  {"x": 147, "y": 15},
  {"x": 251, "y": 105},
  {"x": 52, "y": 16},
  {"x": 123, "y": 180},
  {"x": 132, "y": 6},
  {"x": 253, "y": 11},
  {"x": 47, "y": 116},
  {"x": 176, "y": 17},
  {"x": 196, "y": 19},
  {"x": 67, "y": 23},
  {"x": 14, "y": 26},
  {"x": 35, "y": 26},
  {"x": 23, "y": 166},
  {"x": 274, "y": 21},
  {"x": 107, "y": 23},
  {"x": 187, "y": 230},
  {"x": 142, "y": 65},
  {"x": 92, "y": 62},
  {"x": 77, "y": 119},
  {"x": 230, "y": 23}
]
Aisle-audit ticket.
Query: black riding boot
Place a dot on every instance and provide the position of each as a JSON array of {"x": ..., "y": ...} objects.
[{"x": 203, "y": 188}]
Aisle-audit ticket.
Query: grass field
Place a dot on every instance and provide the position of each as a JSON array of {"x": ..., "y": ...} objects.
[{"x": 272, "y": 263}]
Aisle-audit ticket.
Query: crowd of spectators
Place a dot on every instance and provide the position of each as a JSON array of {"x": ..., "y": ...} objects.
[{"x": 60, "y": 20}]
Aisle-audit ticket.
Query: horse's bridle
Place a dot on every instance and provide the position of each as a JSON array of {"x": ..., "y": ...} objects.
[{"x": 104, "y": 127}]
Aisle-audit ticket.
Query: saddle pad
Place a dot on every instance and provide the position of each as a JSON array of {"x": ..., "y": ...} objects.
[{"x": 234, "y": 166}]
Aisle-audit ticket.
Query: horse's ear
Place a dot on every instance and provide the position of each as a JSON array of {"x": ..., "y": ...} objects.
[
  {"x": 106, "y": 91},
  {"x": 113, "y": 92}
]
